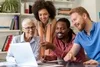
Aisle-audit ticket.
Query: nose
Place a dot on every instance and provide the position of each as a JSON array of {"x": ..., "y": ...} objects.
[
  {"x": 59, "y": 30},
  {"x": 42, "y": 16},
  {"x": 31, "y": 29},
  {"x": 73, "y": 23}
]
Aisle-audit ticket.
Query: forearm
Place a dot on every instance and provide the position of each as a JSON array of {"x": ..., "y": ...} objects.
[
  {"x": 74, "y": 50},
  {"x": 51, "y": 56},
  {"x": 52, "y": 47},
  {"x": 72, "y": 53}
]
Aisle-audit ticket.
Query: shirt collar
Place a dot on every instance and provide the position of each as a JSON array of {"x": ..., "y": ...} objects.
[
  {"x": 23, "y": 40},
  {"x": 33, "y": 40},
  {"x": 92, "y": 28}
]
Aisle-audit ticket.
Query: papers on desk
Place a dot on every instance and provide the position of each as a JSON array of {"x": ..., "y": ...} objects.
[{"x": 7, "y": 64}]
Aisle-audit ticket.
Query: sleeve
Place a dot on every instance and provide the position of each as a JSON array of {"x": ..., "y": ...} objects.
[
  {"x": 36, "y": 53},
  {"x": 10, "y": 57},
  {"x": 76, "y": 40}
]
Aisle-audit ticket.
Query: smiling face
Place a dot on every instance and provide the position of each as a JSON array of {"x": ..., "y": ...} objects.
[
  {"x": 29, "y": 29},
  {"x": 43, "y": 16},
  {"x": 61, "y": 29},
  {"x": 78, "y": 21}
]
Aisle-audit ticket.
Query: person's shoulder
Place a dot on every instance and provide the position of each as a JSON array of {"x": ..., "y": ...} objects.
[
  {"x": 16, "y": 39},
  {"x": 79, "y": 33},
  {"x": 17, "y": 36},
  {"x": 97, "y": 23}
]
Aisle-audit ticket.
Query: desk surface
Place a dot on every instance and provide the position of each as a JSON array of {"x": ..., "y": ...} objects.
[{"x": 52, "y": 65}]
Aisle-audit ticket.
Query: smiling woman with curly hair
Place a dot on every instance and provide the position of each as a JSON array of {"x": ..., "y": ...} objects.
[{"x": 44, "y": 12}]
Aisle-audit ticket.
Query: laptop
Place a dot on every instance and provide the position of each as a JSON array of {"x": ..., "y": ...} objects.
[{"x": 23, "y": 54}]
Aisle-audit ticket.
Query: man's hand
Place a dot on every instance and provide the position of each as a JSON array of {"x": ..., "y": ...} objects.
[
  {"x": 48, "y": 45},
  {"x": 47, "y": 58},
  {"x": 69, "y": 57},
  {"x": 91, "y": 62}
]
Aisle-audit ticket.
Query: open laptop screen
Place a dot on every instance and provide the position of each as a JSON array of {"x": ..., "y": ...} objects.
[{"x": 23, "y": 54}]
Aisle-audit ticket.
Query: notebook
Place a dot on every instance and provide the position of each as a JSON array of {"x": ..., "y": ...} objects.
[{"x": 23, "y": 54}]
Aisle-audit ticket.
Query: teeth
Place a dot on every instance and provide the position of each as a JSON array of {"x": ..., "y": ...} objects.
[{"x": 59, "y": 34}]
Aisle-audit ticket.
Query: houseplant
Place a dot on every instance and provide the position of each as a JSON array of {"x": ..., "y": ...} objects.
[{"x": 10, "y": 6}]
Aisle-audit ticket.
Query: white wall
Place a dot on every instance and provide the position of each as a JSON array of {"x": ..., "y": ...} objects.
[
  {"x": 90, "y": 6},
  {"x": 98, "y": 9}
]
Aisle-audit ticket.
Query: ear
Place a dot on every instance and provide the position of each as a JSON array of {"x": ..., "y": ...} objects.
[{"x": 84, "y": 15}]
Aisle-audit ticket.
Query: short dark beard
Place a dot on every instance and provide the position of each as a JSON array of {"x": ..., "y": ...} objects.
[{"x": 60, "y": 38}]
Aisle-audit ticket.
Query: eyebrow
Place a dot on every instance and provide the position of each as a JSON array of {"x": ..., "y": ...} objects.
[{"x": 30, "y": 26}]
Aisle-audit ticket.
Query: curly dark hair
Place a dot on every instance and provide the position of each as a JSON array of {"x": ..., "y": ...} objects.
[
  {"x": 65, "y": 20},
  {"x": 41, "y": 4}
]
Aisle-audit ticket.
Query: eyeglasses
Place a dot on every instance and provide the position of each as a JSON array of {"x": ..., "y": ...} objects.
[{"x": 28, "y": 28}]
